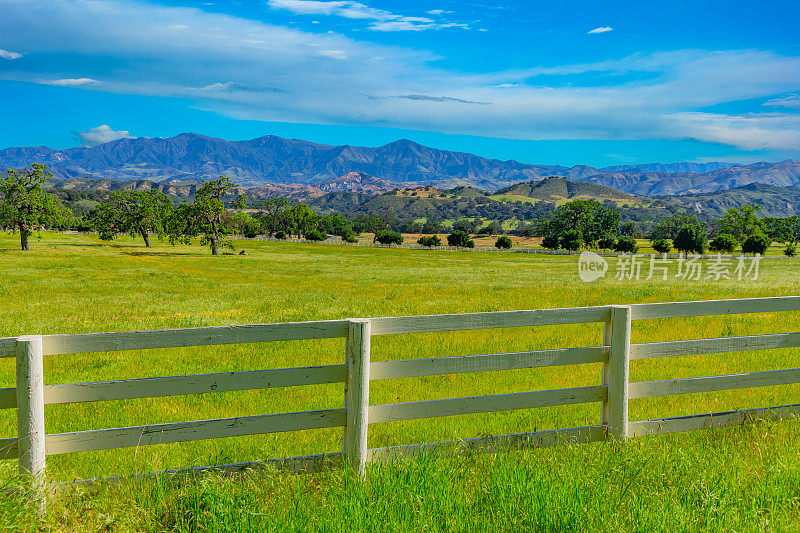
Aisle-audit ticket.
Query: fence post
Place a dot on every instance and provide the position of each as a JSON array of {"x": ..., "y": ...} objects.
[
  {"x": 357, "y": 395},
  {"x": 30, "y": 407},
  {"x": 604, "y": 368},
  {"x": 617, "y": 371}
]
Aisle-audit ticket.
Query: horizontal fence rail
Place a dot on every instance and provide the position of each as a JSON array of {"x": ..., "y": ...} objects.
[{"x": 30, "y": 395}]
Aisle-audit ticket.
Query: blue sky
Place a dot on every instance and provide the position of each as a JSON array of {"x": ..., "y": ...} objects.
[{"x": 570, "y": 82}]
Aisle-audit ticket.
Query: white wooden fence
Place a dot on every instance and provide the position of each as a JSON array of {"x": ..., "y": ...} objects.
[{"x": 32, "y": 444}]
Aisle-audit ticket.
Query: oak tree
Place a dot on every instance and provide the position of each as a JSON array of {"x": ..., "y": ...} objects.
[{"x": 25, "y": 205}]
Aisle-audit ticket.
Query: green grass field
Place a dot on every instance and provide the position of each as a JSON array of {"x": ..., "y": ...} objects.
[{"x": 738, "y": 478}]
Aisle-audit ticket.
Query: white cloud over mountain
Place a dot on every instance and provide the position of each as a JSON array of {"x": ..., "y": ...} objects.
[
  {"x": 99, "y": 135},
  {"x": 253, "y": 70}
]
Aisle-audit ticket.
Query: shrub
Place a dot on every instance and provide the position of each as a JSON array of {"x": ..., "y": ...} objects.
[
  {"x": 389, "y": 237},
  {"x": 460, "y": 238},
  {"x": 280, "y": 235},
  {"x": 572, "y": 240},
  {"x": 691, "y": 238},
  {"x": 350, "y": 237},
  {"x": 503, "y": 242},
  {"x": 606, "y": 242},
  {"x": 551, "y": 242},
  {"x": 757, "y": 243},
  {"x": 790, "y": 250},
  {"x": 429, "y": 241},
  {"x": 724, "y": 242},
  {"x": 626, "y": 243},
  {"x": 316, "y": 235},
  {"x": 662, "y": 246}
]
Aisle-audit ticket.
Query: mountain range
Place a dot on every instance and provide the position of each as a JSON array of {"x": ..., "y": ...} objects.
[{"x": 278, "y": 165}]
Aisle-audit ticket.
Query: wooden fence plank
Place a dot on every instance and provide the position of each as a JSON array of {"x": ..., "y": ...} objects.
[
  {"x": 494, "y": 319},
  {"x": 484, "y": 404},
  {"x": 715, "y": 307},
  {"x": 103, "y": 439},
  {"x": 8, "y": 398},
  {"x": 174, "y": 338},
  {"x": 710, "y": 420},
  {"x": 670, "y": 387},
  {"x": 197, "y": 384},
  {"x": 772, "y": 341},
  {"x": 8, "y": 346},
  {"x": 483, "y": 363},
  {"x": 535, "y": 439}
]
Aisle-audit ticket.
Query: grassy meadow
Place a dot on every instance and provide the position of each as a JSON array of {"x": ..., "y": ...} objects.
[{"x": 737, "y": 478}]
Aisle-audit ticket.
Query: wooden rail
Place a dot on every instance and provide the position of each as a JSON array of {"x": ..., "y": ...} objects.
[{"x": 30, "y": 395}]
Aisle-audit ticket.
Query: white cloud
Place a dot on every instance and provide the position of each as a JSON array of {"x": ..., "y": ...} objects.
[
  {"x": 437, "y": 12},
  {"x": 99, "y": 135},
  {"x": 257, "y": 71},
  {"x": 70, "y": 82},
  {"x": 333, "y": 54},
  {"x": 382, "y": 20},
  {"x": 5, "y": 54},
  {"x": 751, "y": 131},
  {"x": 791, "y": 101},
  {"x": 218, "y": 86},
  {"x": 601, "y": 29}
]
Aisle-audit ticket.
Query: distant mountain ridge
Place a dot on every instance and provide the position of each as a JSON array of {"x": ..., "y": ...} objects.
[{"x": 275, "y": 161}]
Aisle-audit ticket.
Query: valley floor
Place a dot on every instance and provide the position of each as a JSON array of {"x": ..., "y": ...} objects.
[{"x": 745, "y": 478}]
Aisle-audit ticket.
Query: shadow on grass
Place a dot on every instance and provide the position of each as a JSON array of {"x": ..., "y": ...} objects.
[{"x": 157, "y": 253}]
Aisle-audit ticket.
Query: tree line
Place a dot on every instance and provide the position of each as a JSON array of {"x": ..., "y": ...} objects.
[{"x": 215, "y": 213}]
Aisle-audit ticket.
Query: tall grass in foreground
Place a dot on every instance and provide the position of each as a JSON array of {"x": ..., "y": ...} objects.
[{"x": 744, "y": 478}]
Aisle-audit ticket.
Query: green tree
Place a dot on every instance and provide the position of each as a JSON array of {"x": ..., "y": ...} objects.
[
  {"x": 389, "y": 237},
  {"x": 26, "y": 206},
  {"x": 572, "y": 240},
  {"x": 662, "y": 246},
  {"x": 551, "y": 242},
  {"x": 302, "y": 220},
  {"x": 588, "y": 217},
  {"x": 626, "y": 244},
  {"x": 431, "y": 227},
  {"x": 756, "y": 243},
  {"x": 316, "y": 235},
  {"x": 204, "y": 216},
  {"x": 374, "y": 223},
  {"x": 782, "y": 229},
  {"x": 669, "y": 227},
  {"x": 606, "y": 242},
  {"x": 134, "y": 212},
  {"x": 460, "y": 238},
  {"x": 272, "y": 213},
  {"x": 742, "y": 222},
  {"x": 630, "y": 229},
  {"x": 335, "y": 224},
  {"x": 691, "y": 238},
  {"x": 244, "y": 224},
  {"x": 723, "y": 243},
  {"x": 503, "y": 242},
  {"x": 429, "y": 241}
]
